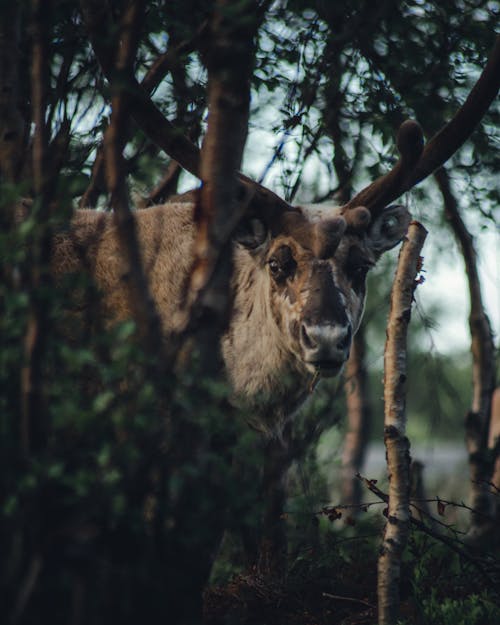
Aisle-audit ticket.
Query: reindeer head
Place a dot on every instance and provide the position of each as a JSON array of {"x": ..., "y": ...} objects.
[
  {"x": 316, "y": 260},
  {"x": 316, "y": 265}
]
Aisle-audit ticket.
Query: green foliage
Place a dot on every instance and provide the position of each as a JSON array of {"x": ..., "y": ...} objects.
[
  {"x": 475, "y": 609},
  {"x": 101, "y": 483}
]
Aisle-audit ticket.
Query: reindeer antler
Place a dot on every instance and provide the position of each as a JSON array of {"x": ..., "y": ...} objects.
[{"x": 415, "y": 164}]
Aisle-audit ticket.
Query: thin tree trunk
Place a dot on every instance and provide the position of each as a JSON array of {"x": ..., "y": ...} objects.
[
  {"x": 229, "y": 58},
  {"x": 12, "y": 123},
  {"x": 358, "y": 421},
  {"x": 141, "y": 301},
  {"x": 494, "y": 445},
  {"x": 396, "y": 443},
  {"x": 38, "y": 278},
  {"x": 356, "y": 380},
  {"x": 272, "y": 556},
  {"x": 477, "y": 423}
]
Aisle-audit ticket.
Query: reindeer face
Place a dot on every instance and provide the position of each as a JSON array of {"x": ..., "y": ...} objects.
[
  {"x": 317, "y": 302},
  {"x": 317, "y": 267}
]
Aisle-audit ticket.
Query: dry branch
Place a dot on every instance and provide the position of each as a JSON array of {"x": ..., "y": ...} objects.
[
  {"x": 141, "y": 302},
  {"x": 455, "y": 545},
  {"x": 169, "y": 61},
  {"x": 397, "y": 445}
]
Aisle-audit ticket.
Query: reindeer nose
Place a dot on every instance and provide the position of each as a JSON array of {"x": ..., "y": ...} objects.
[{"x": 325, "y": 346}]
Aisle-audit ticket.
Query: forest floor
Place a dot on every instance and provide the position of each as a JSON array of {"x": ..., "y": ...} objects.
[{"x": 334, "y": 583}]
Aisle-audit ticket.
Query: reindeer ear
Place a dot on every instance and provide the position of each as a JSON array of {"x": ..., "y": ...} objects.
[
  {"x": 388, "y": 228},
  {"x": 251, "y": 233}
]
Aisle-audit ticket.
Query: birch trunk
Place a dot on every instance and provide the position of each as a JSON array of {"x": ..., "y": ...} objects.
[{"x": 396, "y": 443}]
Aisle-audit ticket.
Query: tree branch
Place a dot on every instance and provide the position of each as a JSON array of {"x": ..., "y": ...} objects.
[
  {"x": 162, "y": 132},
  {"x": 141, "y": 302}
]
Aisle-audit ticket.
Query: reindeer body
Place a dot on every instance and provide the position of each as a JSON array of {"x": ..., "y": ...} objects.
[{"x": 297, "y": 295}]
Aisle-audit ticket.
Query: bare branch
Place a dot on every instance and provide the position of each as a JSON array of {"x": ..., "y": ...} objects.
[
  {"x": 141, "y": 302},
  {"x": 454, "y": 544},
  {"x": 397, "y": 445},
  {"x": 162, "y": 132},
  {"x": 141, "y": 107},
  {"x": 441, "y": 147},
  {"x": 166, "y": 62}
]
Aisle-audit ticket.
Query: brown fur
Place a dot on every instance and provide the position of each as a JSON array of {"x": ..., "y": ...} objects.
[{"x": 295, "y": 297}]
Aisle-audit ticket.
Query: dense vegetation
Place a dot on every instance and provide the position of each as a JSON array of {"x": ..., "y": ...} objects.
[{"x": 121, "y": 473}]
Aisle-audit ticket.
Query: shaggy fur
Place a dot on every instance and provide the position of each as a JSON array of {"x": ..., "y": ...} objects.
[{"x": 298, "y": 297}]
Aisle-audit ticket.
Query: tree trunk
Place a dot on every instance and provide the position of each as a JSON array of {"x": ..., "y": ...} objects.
[
  {"x": 273, "y": 544},
  {"x": 396, "y": 443},
  {"x": 477, "y": 423},
  {"x": 358, "y": 422}
]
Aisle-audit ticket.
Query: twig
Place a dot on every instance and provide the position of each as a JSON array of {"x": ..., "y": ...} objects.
[
  {"x": 26, "y": 589},
  {"x": 351, "y": 599},
  {"x": 452, "y": 544}
]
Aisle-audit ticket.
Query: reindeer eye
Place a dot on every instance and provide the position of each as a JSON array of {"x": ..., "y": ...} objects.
[
  {"x": 274, "y": 266},
  {"x": 282, "y": 264}
]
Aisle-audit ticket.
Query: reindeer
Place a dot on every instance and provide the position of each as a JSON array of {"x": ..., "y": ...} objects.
[
  {"x": 298, "y": 283},
  {"x": 298, "y": 288},
  {"x": 299, "y": 273}
]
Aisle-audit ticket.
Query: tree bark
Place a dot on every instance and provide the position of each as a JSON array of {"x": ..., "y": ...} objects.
[
  {"x": 358, "y": 421},
  {"x": 272, "y": 555},
  {"x": 141, "y": 301},
  {"x": 37, "y": 278},
  {"x": 13, "y": 126},
  {"x": 229, "y": 58},
  {"x": 396, "y": 443},
  {"x": 494, "y": 444},
  {"x": 477, "y": 422}
]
